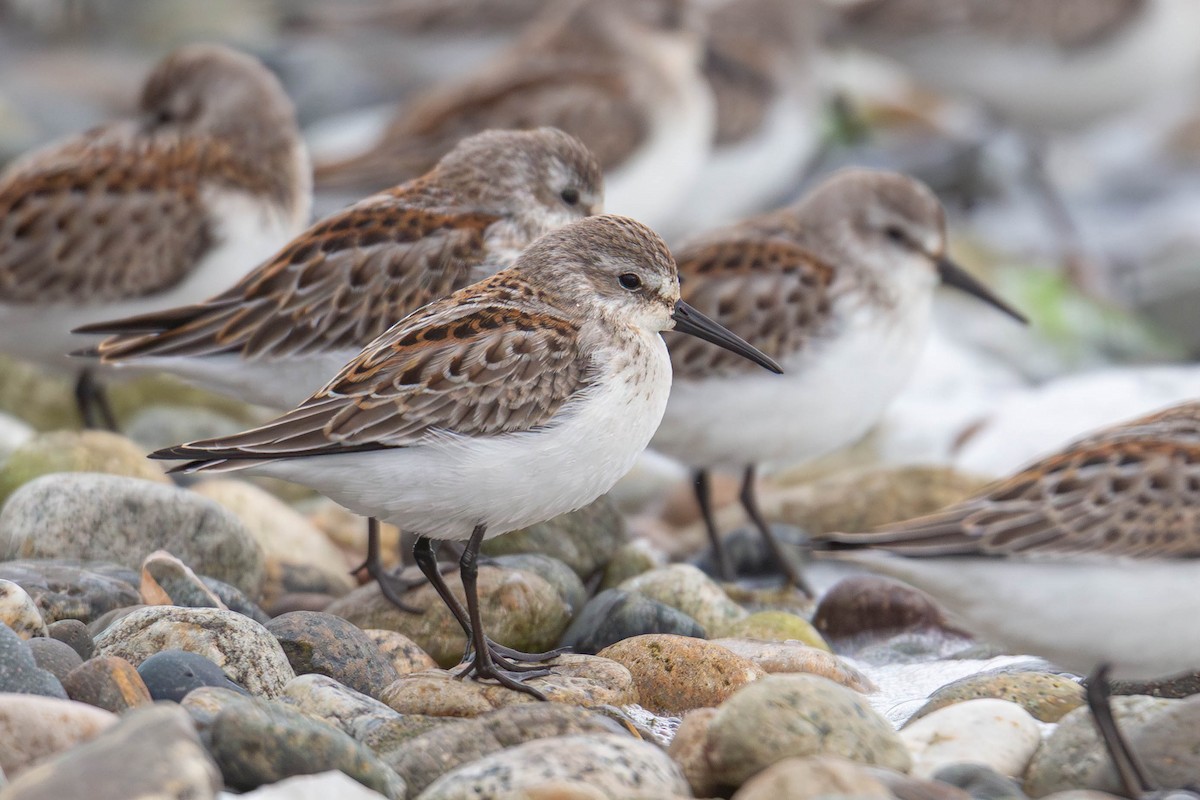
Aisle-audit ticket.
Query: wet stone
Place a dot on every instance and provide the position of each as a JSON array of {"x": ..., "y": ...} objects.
[
  {"x": 19, "y": 612},
  {"x": 107, "y": 682},
  {"x": 426, "y": 758},
  {"x": 980, "y": 782},
  {"x": 65, "y": 590},
  {"x": 126, "y": 520},
  {"x": 615, "y": 766},
  {"x": 245, "y": 650},
  {"x": 53, "y": 656},
  {"x": 1045, "y": 695},
  {"x": 876, "y": 606},
  {"x": 171, "y": 674},
  {"x": 327, "y": 645},
  {"x": 675, "y": 674},
  {"x": 749, "y": 555},
  {"x": 689, "y": 590},
  {"x": 799, "y": 657},
  {"x": 617, "y": 614},
  {"x": 73, "y": 633},
  {"x": 151, "y": 752},
  {"x": 19, "y": 671}
]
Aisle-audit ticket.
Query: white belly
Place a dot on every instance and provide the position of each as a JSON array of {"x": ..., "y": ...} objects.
[
  {"x": 825, "y": 399},
  {"x": 248, "y": 233},
  {"x": 444, "y": 488},
  {"x": 1143, "y": 617}
]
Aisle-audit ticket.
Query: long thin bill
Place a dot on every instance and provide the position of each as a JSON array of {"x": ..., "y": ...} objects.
[
  {"x": 954, "y": 275},
  {"x": 690, "y": 321}
]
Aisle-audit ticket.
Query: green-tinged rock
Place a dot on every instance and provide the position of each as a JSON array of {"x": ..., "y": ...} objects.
[
  {"x": 245, "y": 650},
  {"x": 431, "y": 755},
  {"x": 781, "y": 716},
  {"x": 686, "y": 588},
  {"x": 577, "y": 680},
  {"x": 776, "y": 626},
  {"x": 615, "y": 614},
  {"x": 76, "y": 451},
  {"x": 327, "y": 645},
  {"x": 630, "y": 560},
  {"x": 556, "y": 573},
  {"x": 520, "y": 610},
  {"x": 152, "y": 752},
  {"x": 615, "y": 766},
  {"x": 121, "y": 519},
  {"x": 584, "y": 540},
  {"x": 1045, "y": 695},
  {"x": 675, "y": 674}
]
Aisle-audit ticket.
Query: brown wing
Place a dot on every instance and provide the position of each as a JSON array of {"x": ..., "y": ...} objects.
[
  {"x": 587, "y": 102},
  {"x": 102, "y": 220},
  {"x": 476, "y": 369},
  {"x": 337, "y": 286},
  {"x": 1135, "y": 498},
  {"x": 771, "y": 292}
]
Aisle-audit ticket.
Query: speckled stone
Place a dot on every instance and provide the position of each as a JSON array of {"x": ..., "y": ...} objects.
[
  {"x": 54, "y": 656},
  {"x": 617, "y": 766},
  {"x": 556, "y": 573},
  {"x": 798, "y": 657},
  {"x": 406, "y": 656},
  {"x": 363, "y": 718},
  {"x": 167, "y": 581},
  {"x": 675, "y": 674},
  {"x": 798, "y": 715},
  {"x": 1048, "y": 697},
  {"x": 584, "y": 540},
  {"x": 171, "y": 674},
  {"x": 107, "y": 682},
  {"x": 811, "y": 778},
  {"x": 688, "y": 751},
  {"x": 630, "y": 560},
  {"x": 520, "y": 610},
  {"x": 615, "y": 614},
  {"x": 328, "y": 645},
  {"x": 1073, "y": 757},
  {"x": 247, "y": 651},
  {"x": 429, "y": 756},
  {"x": 73, "y": 633},
  {"x": 587, "y": 681},
  {"x": 689, "y": 590},
  {"x": 73, "y": 591},
  {"x": 257, "y": 742},
  {"x": 152, "y": 752},
  {"x": 19, "y": 671},
  {"x": 322, "y": 786},
  {"x": 76, "y": 451},
  {"x": 34, "y": 728},
  {"x": 996, "y": 733},
  {"x": 19, "y": 612},
  {"x": 877, "y": 606},
  {"x": 126, "y": 519},
  {"x": 776, "y": 626}
]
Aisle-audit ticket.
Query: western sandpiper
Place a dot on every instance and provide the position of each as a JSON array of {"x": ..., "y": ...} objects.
[
  {"x": 152, "y": 212},
  {"x": 1087, "y": 557},
  {"x": 622, "y": 75},
  {"x": 285, "y": 328},
  {"x": 518, "y": 398},
  {"x": 838, "y": 288}
]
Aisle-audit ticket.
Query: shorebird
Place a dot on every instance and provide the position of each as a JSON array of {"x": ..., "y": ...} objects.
[
  {"x": 838, "y": 288},
  {"x": 511, "y": 401},
  {"x": 152, "y": 212}
]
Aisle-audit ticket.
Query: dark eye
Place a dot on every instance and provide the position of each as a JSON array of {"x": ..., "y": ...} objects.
[
  {"x": 570, "y": 195},
  {"x": 896, "y": 234},
  {"x": 630, "y": 281},
  {"x": 163, "y": 117}
]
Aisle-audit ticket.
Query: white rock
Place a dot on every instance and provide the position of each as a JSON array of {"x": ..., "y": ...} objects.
[
  {"x": 995, "y": 733},
  {"x": 13, "y": 434},
  {"x": 321, "y": 786},
  {"x": 19, "y": 612}
]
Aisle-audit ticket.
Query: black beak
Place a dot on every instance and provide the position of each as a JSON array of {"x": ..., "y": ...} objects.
[
  {"x": 954, "y": 275},
  {"x": 690, "y": 321}
]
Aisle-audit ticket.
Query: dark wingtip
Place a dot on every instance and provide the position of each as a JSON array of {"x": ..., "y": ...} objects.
[{"x": 87, "y": 352}]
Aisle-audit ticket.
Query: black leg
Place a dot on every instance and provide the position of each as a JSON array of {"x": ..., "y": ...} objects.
[
  {"x": 703, "y": 485},
  {"x": 92, "y": 403},
  {"x": 425, "y": 554},
  {"x": 1082, "y": 271},
  {"x": 391, "y": 585},
  {"x": 1130, "y": 768},
  {"x": 492, "y": 660},
  {"x": 750, "y": 503}
]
